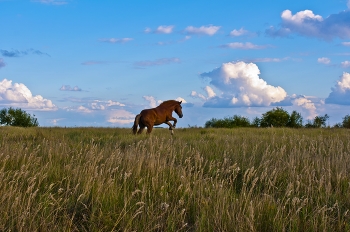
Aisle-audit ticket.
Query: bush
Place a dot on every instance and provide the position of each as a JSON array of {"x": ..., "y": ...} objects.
[
  {"x": 17, "y": 117},
  {"x": 230, "y": 122}
]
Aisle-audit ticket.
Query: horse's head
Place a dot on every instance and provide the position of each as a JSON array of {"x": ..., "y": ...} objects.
[{"x": 178, "y": 109}]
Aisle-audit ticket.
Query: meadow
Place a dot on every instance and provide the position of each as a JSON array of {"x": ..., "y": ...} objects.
[{"x": 106, "y": 179}]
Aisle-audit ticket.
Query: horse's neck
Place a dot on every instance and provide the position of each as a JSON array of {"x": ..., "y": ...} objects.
[{"x": 170, "y": 108}]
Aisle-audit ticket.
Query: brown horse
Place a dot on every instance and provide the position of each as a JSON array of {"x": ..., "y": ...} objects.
[{"x": 156, "y": 116}]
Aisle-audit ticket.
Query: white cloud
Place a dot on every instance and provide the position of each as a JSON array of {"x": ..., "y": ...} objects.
[
  {"x": 95, "y": 105},
  {"x": 18, "y": 95},
  {"x": 245, "y": 46},
  {"x": 69, "y": 88},
  {"x": 113, "y": 103},
  {"x": 300, "y": 17},
  {"x": 209, "y": 92},
  {"x": 239, "y": 32},
  {"x": 181, "y": 99},
  {"x": 306, "y": 105},
  {"x": 346, "y": 44},
  {"x": 120, "y": 116},
  {"x": 81, "y": 109},
  {"x": 324, "y": 60},
  {"x": 152, "y": 101},
  {"x": 306, "y": 23},
  {"x": 345, "y": 64},
  {"x": 241, "y": 86},
  {"x": 341, "y": 92},
  {"x": 348, "y": 4},
  {"x": 148, "y": 30},
  {"x": 203, "y": 30},
  {"x": 165, "y": 29},
  {"x": 116, "y": 40},
  {"x": 197, "y": 95}
]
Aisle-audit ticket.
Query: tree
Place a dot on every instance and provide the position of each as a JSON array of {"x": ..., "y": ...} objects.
[
  {"x": 17, "y": 117},
  {"x": 295, "y": 120},
  {"x": 276, "y": 117},
  {"x": 318, "y": 122},
  {"x": 239, "y": 121},
  {"x": 346, "y": 121},
  {"x": 256, "y": 122}
]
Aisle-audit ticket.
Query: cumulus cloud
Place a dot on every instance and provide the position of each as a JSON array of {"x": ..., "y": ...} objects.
[
  {"x": 324, "y": 60},
  {"x": 209, "y": 92},
  {"x": 116, "y": 40},
  {"x": 345, "y": 64},
  {"x": 203, "y": 30},
  {"x": 306, "y": 105},
  {"x": 69, "y": 88},
  {"x": 241, "y": 86},
  {"x": 306, "y": 23},
  {"x": 244, "y": 46},
  {"x": 163, "y": 61},
  {"x": 341, "y": 92},
  {"x": 18, "y": 95},
  {"x": 2, "y": 63},
  {"x": 120, "y": 116},
  {"x": 152, "y": 101}
]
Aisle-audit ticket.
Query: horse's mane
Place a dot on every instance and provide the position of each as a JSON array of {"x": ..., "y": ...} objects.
[{"x": 168, "y": 103}]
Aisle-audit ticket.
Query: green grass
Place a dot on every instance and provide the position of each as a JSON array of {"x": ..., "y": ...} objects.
[{"x": 105, "y": 179}]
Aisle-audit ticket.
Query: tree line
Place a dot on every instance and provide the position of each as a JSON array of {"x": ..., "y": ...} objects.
[{"x": 277, "y": 117}]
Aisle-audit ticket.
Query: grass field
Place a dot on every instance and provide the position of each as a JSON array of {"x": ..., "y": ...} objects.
[{"x": 105, "y": 179}]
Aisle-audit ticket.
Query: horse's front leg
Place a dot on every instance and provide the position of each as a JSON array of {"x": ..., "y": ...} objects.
[
  {"x": 172, "y": 119},
  {"x": 169, "y": 124}
]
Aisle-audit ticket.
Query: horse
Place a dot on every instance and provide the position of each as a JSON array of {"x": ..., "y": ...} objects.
[{"x": 156, "y": 116}]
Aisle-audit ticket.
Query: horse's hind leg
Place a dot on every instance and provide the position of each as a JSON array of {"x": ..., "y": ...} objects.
[
  {"x": 142, "y": 127},
  {"x": 149, "y": 129}
]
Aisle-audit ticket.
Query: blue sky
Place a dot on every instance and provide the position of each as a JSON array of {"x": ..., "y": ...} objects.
[{"x": 99, "y": 63}]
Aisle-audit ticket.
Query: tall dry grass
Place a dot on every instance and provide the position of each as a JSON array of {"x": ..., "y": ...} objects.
[{"x": 104, "y": 179}]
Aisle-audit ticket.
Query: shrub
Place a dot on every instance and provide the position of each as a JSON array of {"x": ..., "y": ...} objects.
[{"x": 229, "y": 122}]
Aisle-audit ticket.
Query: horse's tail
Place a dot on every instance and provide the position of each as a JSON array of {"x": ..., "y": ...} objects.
[{"x": 136, "y": 123}]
